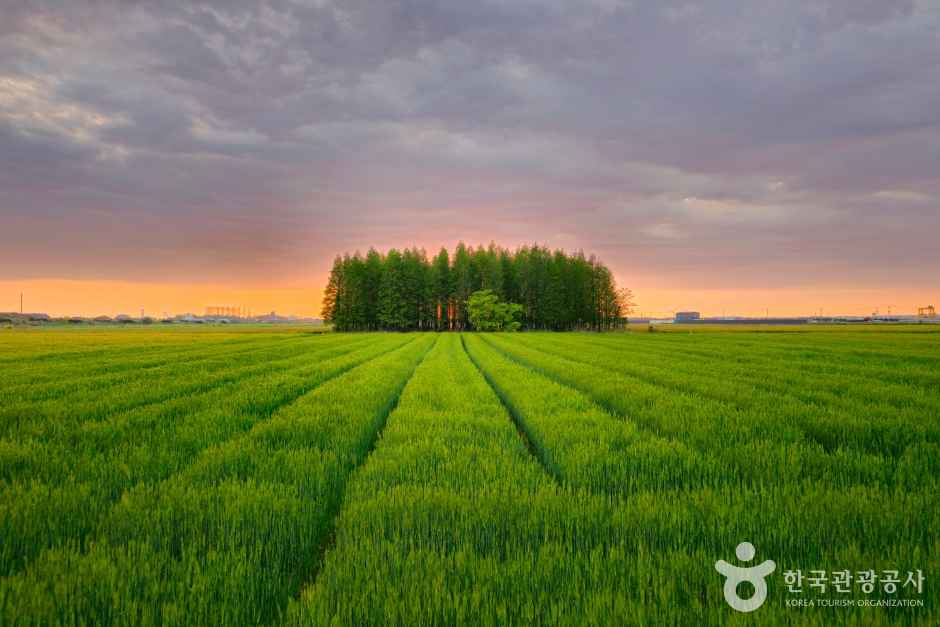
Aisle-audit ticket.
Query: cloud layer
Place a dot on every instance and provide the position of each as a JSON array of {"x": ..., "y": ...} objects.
[{"x": 716, "y": 145}]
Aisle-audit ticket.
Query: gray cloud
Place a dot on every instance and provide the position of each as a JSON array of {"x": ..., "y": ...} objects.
[{"x": 664, "y": 135}]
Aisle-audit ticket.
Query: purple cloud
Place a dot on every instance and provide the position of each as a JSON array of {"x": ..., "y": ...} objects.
[{"x": 143, "y": 140}]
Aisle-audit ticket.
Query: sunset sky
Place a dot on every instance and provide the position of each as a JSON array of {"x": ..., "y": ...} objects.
[{"x": 730, "y": 157}]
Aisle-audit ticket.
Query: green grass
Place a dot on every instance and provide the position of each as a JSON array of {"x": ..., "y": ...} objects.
[{"x": 184, "y": 476}]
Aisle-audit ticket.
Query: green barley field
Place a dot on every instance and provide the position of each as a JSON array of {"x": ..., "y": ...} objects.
[{"x": 277, "y": 476}]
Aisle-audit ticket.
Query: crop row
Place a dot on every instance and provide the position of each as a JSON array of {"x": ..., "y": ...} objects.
[
  {"x": 471, "y": 479},
  {"x": 38, "y": 379},
  {"x": 822, "y": 377},
  {"x": 26, "y": 418},
  {"x": 698, "y": 407},
  {"x": 231, "y": 538},
  {"x": 75, "y": 347},
  {"x": 451, "y": 521},
  {"x": 902, "y": 359},
  {"x": 646, "y": 517},
  {"x": 449, "y": 449},
  {"x": 55, "y": 492}
]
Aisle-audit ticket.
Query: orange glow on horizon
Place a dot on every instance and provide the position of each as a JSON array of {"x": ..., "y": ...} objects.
[{"x": 60, "y": 297}]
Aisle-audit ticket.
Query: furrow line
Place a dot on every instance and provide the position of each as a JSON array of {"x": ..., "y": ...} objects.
[
  {"x": 262, "y": 415},
  {"x": 196, "y": 389},
  {"x": 516, "y": 416},
  {"x": 329, "y": 540},
  {"x": 103, "y": 377},
  {"x": 766, "y": 366}
]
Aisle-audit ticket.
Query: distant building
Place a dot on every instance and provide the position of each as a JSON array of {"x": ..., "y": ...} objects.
[
  {"x": 30, "y": 317},
  {"x": 103, "y": 319},
  {"x": 272, "y": 318},
  {"x": 687, "y": 316}
]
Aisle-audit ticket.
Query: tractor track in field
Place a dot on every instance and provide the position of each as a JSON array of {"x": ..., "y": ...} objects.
[
  {"x": 328, "y": 542},
  {"x": 516, "y": 417},
  {"x": 610, "y": 409},
  {"x": 75, "y": 358},
  {"x": 614, "y": 412},
  {"x": 653, "y": 381},
  {"x": 801, "y": 422},
  {"x": 192, "y": 390},
  {"x": 766, "y": 361},
  {"x": 264, "y": 416},
  {"x": 759, "y": 384},
  {"x": 136, "y": 372}
]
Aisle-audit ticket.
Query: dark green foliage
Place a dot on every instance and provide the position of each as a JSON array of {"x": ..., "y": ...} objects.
[
  {"x": 393, "y": 313},
  {"x": 405, "y": 291},
  {"x": 442, "y": 287}
]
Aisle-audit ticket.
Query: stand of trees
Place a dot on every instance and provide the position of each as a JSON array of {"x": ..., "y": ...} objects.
[{"x": 406, "y": 291}]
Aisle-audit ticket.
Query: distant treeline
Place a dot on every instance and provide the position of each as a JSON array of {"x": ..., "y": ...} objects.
[{"x": 404, "y": 290}]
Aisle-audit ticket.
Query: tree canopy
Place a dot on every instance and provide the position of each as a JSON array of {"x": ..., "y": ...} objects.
[
  {"x": 404, "y": 290},
  {"x": 486, "y": 313}
]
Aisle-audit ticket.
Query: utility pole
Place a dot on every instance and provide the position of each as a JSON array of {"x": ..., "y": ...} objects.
[{"x": 21, "y": 303}]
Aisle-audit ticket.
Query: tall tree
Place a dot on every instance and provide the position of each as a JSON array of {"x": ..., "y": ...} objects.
[
  {"x": 463, "y": 285},
  {"x": 371, "y": 285},
  {"x": 333, "y": 293},
  {"x": 442, "y": 288},
  {"x": 392, "y": 308}
]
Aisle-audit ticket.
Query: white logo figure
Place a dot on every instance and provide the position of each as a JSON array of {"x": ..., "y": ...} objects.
[{"x": 736, "y": 574}]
